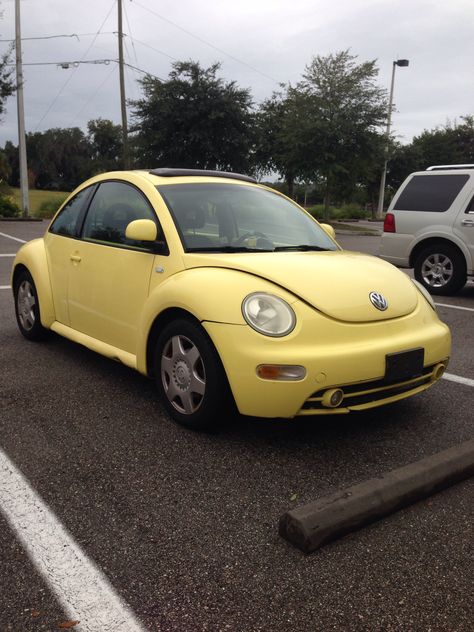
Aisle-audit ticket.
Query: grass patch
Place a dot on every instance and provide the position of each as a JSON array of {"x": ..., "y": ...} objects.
[{"x": 42, "y": 203}]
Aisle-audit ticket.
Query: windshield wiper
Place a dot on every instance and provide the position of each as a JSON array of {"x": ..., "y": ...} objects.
[
  {"x": 226, "y": 249},
  {"x": 301, "y": 248}
]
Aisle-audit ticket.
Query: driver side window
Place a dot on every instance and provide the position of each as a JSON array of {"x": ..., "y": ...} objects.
[{"x": 114, "y": 206}]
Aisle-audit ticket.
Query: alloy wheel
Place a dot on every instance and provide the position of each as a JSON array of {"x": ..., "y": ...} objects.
[
  {"x": 437, "y": 270},
  {"x": 183, "y": 374},
  {"x": 26, "y": 302}
]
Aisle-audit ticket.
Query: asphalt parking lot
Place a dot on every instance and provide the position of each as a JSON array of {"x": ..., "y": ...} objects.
[{"x": 178, "y": 530}]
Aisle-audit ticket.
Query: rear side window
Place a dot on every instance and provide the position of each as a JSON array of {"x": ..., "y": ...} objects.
[
  {"x": 66, "y": 222},
  {"x": 433, "y": 194}
]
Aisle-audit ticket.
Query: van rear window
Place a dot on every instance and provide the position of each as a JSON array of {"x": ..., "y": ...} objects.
[{"x": 431, "y": 193}]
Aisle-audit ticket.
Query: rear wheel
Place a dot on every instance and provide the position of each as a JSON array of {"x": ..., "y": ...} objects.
[
  {"x": 441, "y": 269},
  {"x": 27, "y": 309},
  {"x": 190, "y": 376}
]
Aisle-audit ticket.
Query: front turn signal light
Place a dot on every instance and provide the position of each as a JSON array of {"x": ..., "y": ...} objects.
[{"x": 284, "y": 372}]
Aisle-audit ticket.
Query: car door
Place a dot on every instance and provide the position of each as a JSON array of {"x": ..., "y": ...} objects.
[
  {"x": 60, "y": 242},
  {"x": 110, "y": 275},
  {"x": 464, "y": 228}
]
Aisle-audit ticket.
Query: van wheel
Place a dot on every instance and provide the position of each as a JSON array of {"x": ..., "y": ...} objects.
[{"x": 441, "y": 269}]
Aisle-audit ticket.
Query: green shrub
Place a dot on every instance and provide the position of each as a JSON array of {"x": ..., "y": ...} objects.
[
  {"x": 345, "y": 212},
  {"x": 48, "y": 207},
  {"x": 8, "y": 208},
  {"x": 350, "y": 211},
  {"x": 317, "y": 211}
]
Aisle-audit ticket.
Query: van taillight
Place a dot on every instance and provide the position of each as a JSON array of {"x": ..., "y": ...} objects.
[{"x": 389, "y": 223}]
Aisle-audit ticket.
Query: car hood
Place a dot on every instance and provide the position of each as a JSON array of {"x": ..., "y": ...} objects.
[{"x": 337, "y": 283}]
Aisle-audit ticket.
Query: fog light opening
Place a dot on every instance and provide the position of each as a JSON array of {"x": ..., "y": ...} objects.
[
  {"x": 283, "y": 372},
  {"x": 438, "y": 371},
  {"x": 333, "y": 397}
]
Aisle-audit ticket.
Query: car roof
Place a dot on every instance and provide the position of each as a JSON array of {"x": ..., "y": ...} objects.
[
  {"x": 166, "y": 172},
  {"x": 163, "y": 176}
]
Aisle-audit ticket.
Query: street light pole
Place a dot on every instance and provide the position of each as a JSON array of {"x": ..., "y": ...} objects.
[
  {"x": 21, "y": 115},
  {"x": 399, "y": 62}
]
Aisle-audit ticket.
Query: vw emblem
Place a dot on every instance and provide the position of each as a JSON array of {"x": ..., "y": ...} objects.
[{"x": 378, "y": 301}]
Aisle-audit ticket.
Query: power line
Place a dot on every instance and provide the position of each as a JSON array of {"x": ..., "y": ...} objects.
[
  {"x": 53, "y": 102},
  {"x": 67, "y": 64},
  {"x": 200, "y": 39},
  {"x": 130, "y": 31},
  {"x": 145, "y": 72},
  {"x": 152, "y": 48},
  {"x": 46, "y": 37},
  {"x": 96, "y": 92}
]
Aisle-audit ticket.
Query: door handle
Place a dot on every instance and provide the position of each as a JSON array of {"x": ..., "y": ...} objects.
[
  {"x": 467, "y": 222},
  {"x": 76, "y": 258}
]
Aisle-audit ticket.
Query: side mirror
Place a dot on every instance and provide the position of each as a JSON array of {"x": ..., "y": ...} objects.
[
  {"x": 142, "y": 230},
  {"x": 329, "y": 230}
]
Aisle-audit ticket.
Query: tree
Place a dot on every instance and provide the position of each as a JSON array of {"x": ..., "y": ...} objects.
[
  {"x": 7, "y": 87},
  {"x": 347, "y": 110},
  {"x": 326, "y": 129},
  {"x": 105, "y": 140},
  {"x": 451, "y": 144},
  {"x": 282, "y": 131},
  {"x": 59, "y": 158},
  {"x": 193, "y": 120}
]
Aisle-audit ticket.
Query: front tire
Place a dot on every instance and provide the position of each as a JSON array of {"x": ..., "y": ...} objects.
[
  {"x": 190, "y": 377},
  {"x": 27, "y": 308},
  {"x": 441, "y": 269}
]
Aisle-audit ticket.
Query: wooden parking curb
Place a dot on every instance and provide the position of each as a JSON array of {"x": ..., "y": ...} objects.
[{"x": 311, "y": 526}]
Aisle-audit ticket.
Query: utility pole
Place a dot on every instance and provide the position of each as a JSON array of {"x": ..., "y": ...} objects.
[
  {"x": 125, "y": 153},
  {"x": 21, "y": 115}
]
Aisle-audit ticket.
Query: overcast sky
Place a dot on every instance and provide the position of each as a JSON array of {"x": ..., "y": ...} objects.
[{"x": 259, "y": 43}]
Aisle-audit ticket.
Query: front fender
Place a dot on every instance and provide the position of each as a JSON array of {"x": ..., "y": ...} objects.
[
  {"x": 33, "y": 257},
  {"x": 208, "y": 294}
]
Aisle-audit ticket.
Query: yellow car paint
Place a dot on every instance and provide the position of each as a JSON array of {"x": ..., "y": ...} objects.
[{"x": 108, "y": 298}]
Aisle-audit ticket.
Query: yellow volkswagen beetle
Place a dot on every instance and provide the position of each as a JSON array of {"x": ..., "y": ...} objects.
[{"x": 226, "y": 291}]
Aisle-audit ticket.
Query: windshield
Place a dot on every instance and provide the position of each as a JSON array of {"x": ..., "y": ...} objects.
[{"x": 240, "y": 218}]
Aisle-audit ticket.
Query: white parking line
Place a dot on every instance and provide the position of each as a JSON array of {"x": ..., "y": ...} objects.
[
  {"x": 22, "y": 241},
  {"x": 9, "y": 255},
  {"x": 457, "y": 378},
  {"x": 82, "y": 589},
  {"x": 5, "y": 287},
  {"x": 466, "y": 309}
]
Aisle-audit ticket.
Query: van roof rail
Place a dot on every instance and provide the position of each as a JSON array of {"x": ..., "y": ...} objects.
[{"x": 449, "y": 167}]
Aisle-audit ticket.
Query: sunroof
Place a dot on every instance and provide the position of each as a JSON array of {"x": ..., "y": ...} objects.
[{"x": 166, "y": 172}]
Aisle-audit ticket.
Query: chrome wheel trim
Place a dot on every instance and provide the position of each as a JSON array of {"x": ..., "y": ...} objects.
[
  {"x": 25, "y": 303},
  {"x": 437, "y": 270},
  {"x": 183, "y": 374}
]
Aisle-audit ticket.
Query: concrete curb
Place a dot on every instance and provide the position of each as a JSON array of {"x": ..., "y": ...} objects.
[{"x": 312, "y": 525}]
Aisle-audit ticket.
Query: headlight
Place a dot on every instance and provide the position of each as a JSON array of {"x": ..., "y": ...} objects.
[
  {"x": 268, "y": 314},
  {"x": 425, "y": 293}
]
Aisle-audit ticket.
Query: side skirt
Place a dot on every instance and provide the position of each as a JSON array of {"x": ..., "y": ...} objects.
[{"x": 93, "y": 344}]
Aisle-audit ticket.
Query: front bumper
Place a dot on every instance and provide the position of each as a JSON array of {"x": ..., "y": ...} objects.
[{"x": 335, "y": 354}]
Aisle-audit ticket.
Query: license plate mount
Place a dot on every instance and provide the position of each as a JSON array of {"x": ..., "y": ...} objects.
[{"x": 404, "y": 365}]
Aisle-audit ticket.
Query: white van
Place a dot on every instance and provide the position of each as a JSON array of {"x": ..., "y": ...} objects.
[{"x": 429, "y": 226}]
